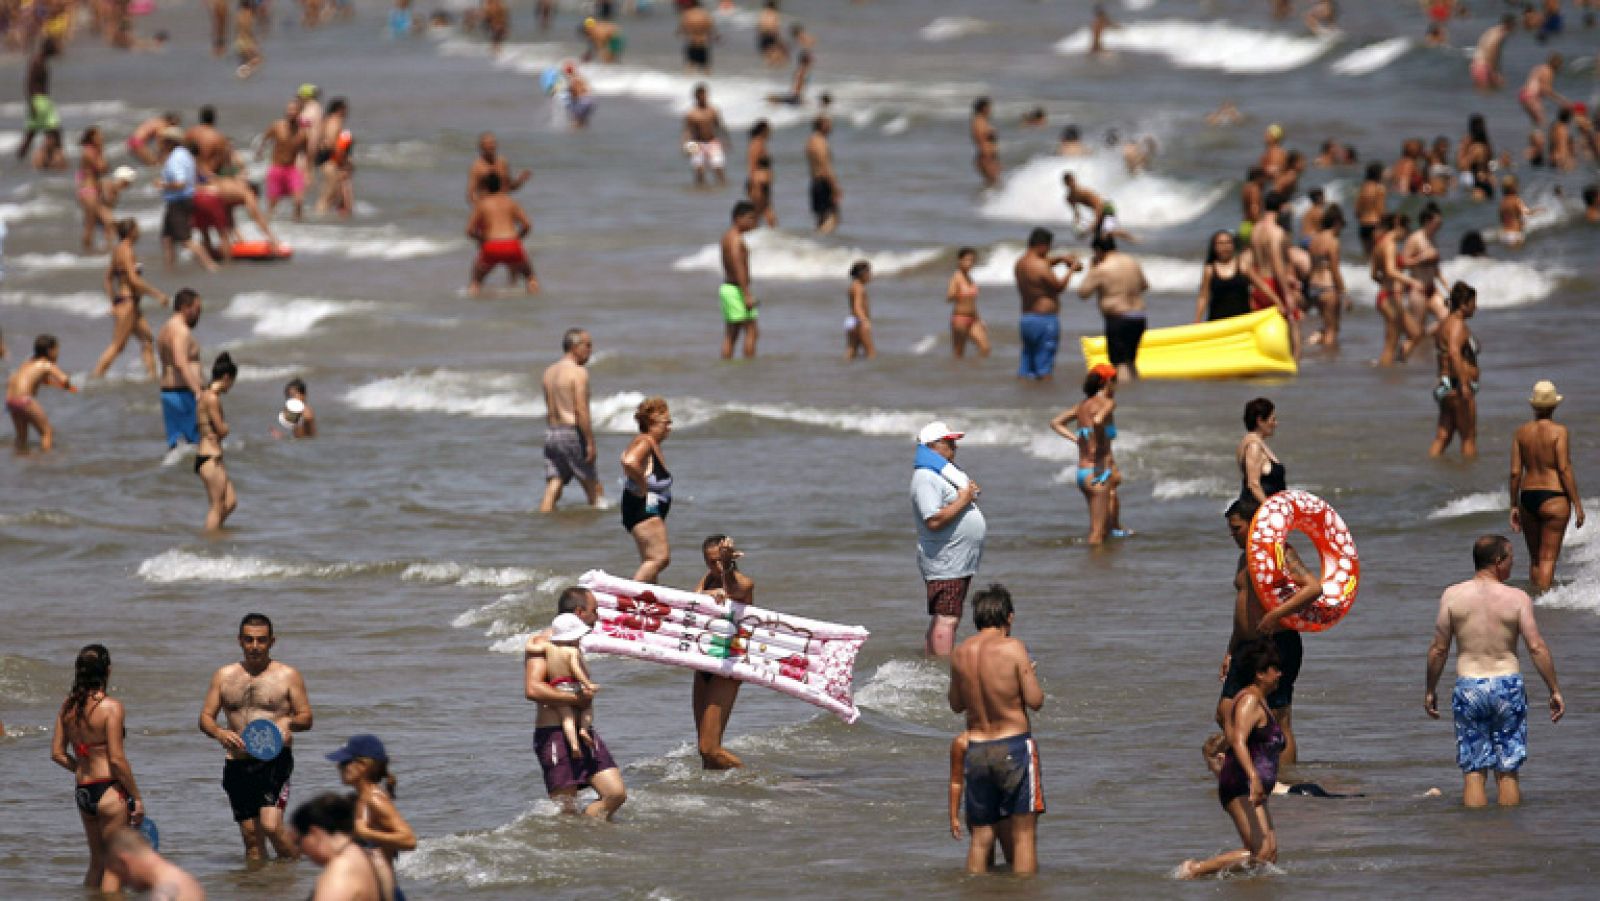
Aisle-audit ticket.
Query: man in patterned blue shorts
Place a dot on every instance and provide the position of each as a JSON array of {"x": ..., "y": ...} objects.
[{"x": 1485, "y": 617}]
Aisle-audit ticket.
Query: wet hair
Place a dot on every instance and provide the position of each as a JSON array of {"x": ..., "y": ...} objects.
[
  {"x": 1215, "y": 743},
  {"x": 1478, "y": 130},
  {"x": 223, "y": 367},
  {"x": 125, "y": 227},
  {"x": 1489, "y": 550},
  {"x": 1104, "y": 242},
  {"x": 208, "y": 115},
  {"x": 1591, "y": 193},
  {"x": 743, "y": 208},
  {"x": 296, "y": 385},
  {"x": 650, "y": 409},
  {"x": 1472, "y": 245},
  {"x": 1257, "y": 412},
  {"x": 1374, "y": 172},
  {"x": 1255, "y": 173},
  {"x": 1070, "y": 133},
  {"x": 338, "y": 105},
  {"x": 761, "y": 127},
  {"x": 981, "y": 104},
  {"x": 1092, "y": 383},
  {"x": 255, "y": 619},
  {"x": 968, "y": 251},
  {"x": 991, "y": 607},
  {"x": 1211, "y": 245},
  {"x": 1253, "y": 657},
  {"x": 1317, "y": 195},
  {"x": 491, "y": 182},
  {"x": 91, "y": 672},
  {"x": 573, "y": 598},
  {"x": 1235, "y": 509},
  {"x": 1565, "y": 115},
  {"x": 43, "y": 344},
  {"x": 89, "y": 136},
  {"x": 712, "y": 541},
  {"x": 572, "y": 338},
  {"x": 825, "y": 99},
  {"x": 819, "y": 123},
  {"x": 172, "y": 118},
  {"x": 332, "y": 812},
  {"x": 183, "y": 299},
  {"x": 1333, "y": 217},
  {"x": 1462, "y": 294},
  {"x": 860, "y": 268},
  {"x": 1273, "y": 202},
  {"x": 1041, "y": 237},
  {"x": 1429, "y": 214},
  {"x": 700, "y": 89}
]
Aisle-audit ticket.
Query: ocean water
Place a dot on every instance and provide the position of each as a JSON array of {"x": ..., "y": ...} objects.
[{"x": 400, "y": 558}]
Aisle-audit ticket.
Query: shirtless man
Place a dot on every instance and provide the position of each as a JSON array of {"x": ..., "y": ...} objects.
[
  {"x": 739, "y": 306},
  {"x": 289, "y": 143},
  {"x": 1420, "y": 254},
  {"x": 825, "y": 190},
  {"x": 563, "y": 776},
  {"x": 41, "y": 110},
  {"x": 213, "y": 212},
  {"x": 1251, "y": 621},
  {"x": 22, "y": 392},
  {"x": 1269, "y": 252},
  {"x": 1040, "y": 292},
  {"x": 703, "y": 134},
  {"x": 498, "y": 225},
  {"x": 139, "y": 866},
  {"x": 769, "y": 40},
  {"x": 489, "y": 160},
  {"x": 1544, "y": 492},
  {"x": 181, "y": 379},
  {"x": 699, "y": 31},
  {"x": 496, "y": 21},
  {"x": 324, "y": 830},
  {"x": 993, "y": 681},
  {"x": 605, "y": 40},
  {"x": 142, "y": 143},
  {"x": 1485, "y": 67},
  {"x": 1079, "y": 196},
  {"x": 1562, "y": 156},
  {"x": 986, "y": 144},
  {"x": 213, "y": 152},
  {"x": 1541, "y": 84},
  {"x": 1117, "y": 281},
  {"x": 1372, "y": 200},
  {"x": 219, "y": 26},
  {"x": 1097, "y": 30},
  {"x": 569, "y": 447},
  {"x": 758, "y": 187},
  {"x": 255, "y": 688},
  {"x": 1486, "y": 617}
]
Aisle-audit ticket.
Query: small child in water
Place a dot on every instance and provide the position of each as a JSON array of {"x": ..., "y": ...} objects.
[
  {"x": 566, "y": 671},
  {"x": 858, "y": 324},
  {"x": 24, "y": 385}
]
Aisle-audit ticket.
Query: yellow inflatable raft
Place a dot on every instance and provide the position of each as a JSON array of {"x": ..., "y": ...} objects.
[{"x": 1239, "y": 347}]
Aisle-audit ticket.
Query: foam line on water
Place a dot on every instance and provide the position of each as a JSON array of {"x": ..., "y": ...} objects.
[
  {"x": 1033, "y": 193},
  {"x": 1207, "y": 45},
  {"x": 1372, "y": 57},
  {"x": 281, "y": 316},
  {"x": 781, "y": 256},
  {"x": 89, "y": 304},
  {"x": 948, "y": 28}
]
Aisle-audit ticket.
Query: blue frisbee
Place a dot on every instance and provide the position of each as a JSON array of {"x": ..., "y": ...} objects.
[
  {"x": 147, "y": 827},
  {"x": 262, "y": 740}
]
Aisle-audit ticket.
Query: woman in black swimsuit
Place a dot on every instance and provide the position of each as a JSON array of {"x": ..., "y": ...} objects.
[
  {"x": 1261, "y": 475},
  {"x": 647, "y": 496},
  {"x": 88, "y": 741},
  {"x": 1544, "y": 492},
  {"x": 1225, "y": 282}
]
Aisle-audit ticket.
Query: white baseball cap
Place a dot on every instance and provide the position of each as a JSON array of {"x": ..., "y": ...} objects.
[
  {"x": 937, "y": 431},
  {"x": 568, "y": 627}
]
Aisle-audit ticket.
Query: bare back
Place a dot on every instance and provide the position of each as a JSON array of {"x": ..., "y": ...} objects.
[
  {"x": 993, "y": 682},
  {"x": 1487, "y": 618},
  {"x": 566, "y": 387},
  {"x": 1541, "y": 449}
]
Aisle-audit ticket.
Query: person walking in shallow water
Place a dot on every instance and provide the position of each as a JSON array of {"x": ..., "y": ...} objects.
[
  {"x": 950, "y": 532},
  {"x": 714, "y": 695},
  {"x": 1544, "y": 491}
]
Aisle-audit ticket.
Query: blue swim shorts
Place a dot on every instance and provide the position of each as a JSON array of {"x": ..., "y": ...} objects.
[
  {"x": 1003, "y": 779},
  {"x": 1041, "y": 335},
  {"x": 178, "y": 411},
  {"x": 1491, "y": 723}
]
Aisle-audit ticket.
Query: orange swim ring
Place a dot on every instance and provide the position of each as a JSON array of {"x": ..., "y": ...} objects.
[{"x": 1302, "y": 511}]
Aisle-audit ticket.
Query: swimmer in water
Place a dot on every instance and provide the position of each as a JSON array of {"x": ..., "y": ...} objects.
[
  {"x": 1401, "y": 333},
  {"x": 1513, "y": 214},
  {"x": 305, "y": 423},
  {"x": 22, "y": 391},
  {"x": 1540, "y": 85},
  {"x": 962, "y": 292},
  {"x": 1079, "y": 196},
  {"x": 825, "y": 191},
  {"x": 703, "y": 136},
  {"x": 699, "y": 31},
  {"x": 758, "y": 187},
  {"x": 769, "y": 35},
  {"x": 1485, "y": 66},
  {"x": 1457, "y": 390},
  {"x": 858, "y": 322},
  {"x": 289, "y": 143},
  {"x": 985, "y": 143},
  {"x": 499, "y": 226}
]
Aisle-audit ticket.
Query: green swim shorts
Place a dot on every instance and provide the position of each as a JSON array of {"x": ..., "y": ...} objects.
[
  {"x": 733, "y": 306},
  {"x": 42, "y": 115}
]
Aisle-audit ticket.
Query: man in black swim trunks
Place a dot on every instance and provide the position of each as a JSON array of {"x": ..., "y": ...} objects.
[
  {"x": 257, "y": 688},
  {"x": 825, "y": 192},
  {"x": 1251, "y": 620},
  {"x": 698, "y": 30}
]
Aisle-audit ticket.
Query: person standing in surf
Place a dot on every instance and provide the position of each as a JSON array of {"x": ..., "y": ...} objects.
[
  {"x": 950, "y": 532},
  {"x": 985, "y": 143},
  {"x": 1544, "y": 491},
  {"x": 1457, "y": 390},
  {"x": 647, "y": 493},
  {"x": 569, "y": 445},
  {"x": 714, "y": 695},
  {"x": 257, "y": 688},
  {"x": 738, "y": 304},
  {"x": 1040, "y": 291},
  {"x": 825, "y": 190},
  {"x": 962, "y": 293}
]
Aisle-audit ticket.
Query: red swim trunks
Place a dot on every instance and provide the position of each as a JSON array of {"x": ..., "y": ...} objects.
[
  {"x": 502, "y": 251},
  {"x": 1260, "y": 301},
  {"x": 210, "y": 212}
]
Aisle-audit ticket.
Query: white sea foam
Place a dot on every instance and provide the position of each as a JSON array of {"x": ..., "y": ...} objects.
[
  {"x": 1173, "y": 489},
  {"x": 90, "y": 304},
  {"x": 478, "y": 394},
  {"x": 1033, "y": 193},
  {"x": 1372, "y": 57},
  {"x": 384, "y": 242},
  {"x": 182, "y": 566},
  {"x": 1578, "y": 572},
  {"x": 1207, "y": 45},
  {"x": 267, "y": 373},
  {"x": 281, "y": 316},
  {"x": 37, "y": 208},
  {"x": 401, "y": 155},
  {"x": 924, "y": 345},
  {"x": 781, "y": 256},
  {"x": 469, "y": 576},
  {"x": 69, "y": 111},
  {"x": 904, "y": 688},
  {"x": 52, "y": 262},
  {"x": 1470, "y": 505},
  {"x": 948, "y": 28}
]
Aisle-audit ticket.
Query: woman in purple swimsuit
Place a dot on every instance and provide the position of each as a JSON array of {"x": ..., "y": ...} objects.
[{"x": 1250, "y": 768}]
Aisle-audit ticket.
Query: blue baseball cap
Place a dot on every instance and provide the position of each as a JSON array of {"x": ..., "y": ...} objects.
[{"x": 368, "y": 746}]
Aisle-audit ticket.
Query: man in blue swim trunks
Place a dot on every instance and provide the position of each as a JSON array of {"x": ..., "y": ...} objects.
[
  {"x": 1485, "y": 617},
  {"x": 181, "y": 380},
  {"x": 1040, "y": 290},
  {"x": 992, "y": 681}
]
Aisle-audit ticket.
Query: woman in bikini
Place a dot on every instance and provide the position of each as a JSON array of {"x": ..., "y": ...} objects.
[
  {"x": 1544, "y": 492},
  {"x": 208, "y": 456},
  {"x": 1325, "y": 287},
  {"x": 88, "y": 741},
  {"x": 1261, "y": 475},
  {"x": 364, "y": 766},
  {"x": 647, "y": 495},
  {"x": 964, "y": 320},
  {"x": 1393, "y": 287},
  {"x": 1457, "y": 390},
  {"x": 125, "y": 285},
  {"x": 91, "y": 168},
  {"x": 714, "y": 695},
  {"x": 1092, "y": 434}
]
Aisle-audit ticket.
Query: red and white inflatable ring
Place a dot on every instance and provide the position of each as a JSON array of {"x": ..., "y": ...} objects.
[{"x": 1301, "y": 511}]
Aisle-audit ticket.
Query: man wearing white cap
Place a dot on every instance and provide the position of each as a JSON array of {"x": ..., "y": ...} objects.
[
  {"x": 179, "y": 177},
  {"x": 950, "y": 531},
  {"x": 1544, "y": 492}
]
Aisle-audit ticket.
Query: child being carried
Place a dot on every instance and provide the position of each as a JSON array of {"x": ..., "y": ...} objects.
[{"x": 566, "y": 672}]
